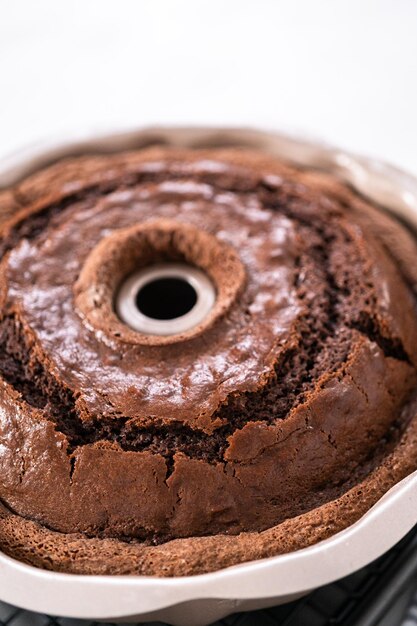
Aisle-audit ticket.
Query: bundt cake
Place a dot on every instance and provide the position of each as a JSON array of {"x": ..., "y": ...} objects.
[{"x": 274, "y": 421}]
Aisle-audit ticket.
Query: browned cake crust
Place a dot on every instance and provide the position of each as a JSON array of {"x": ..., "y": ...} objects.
[{"x": 276, "y": 422}]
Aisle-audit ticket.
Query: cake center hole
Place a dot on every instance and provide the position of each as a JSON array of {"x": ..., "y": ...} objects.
[{"x": 166, "y": 298}]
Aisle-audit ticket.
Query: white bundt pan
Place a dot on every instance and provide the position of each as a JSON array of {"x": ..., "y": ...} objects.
[{"x": 200, "y": 600}]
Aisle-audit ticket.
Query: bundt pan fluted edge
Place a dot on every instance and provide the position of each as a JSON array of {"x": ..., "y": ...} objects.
[{"x": 189, "y": 600}]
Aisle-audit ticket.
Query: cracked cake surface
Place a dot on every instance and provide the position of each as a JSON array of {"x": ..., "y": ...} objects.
[{"x": 274, "y": 423}]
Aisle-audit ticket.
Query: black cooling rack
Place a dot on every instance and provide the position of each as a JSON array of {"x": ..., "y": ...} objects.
[{"x": 381, "y": 594}]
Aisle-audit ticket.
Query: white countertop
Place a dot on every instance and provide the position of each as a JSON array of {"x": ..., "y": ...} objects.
[{"x": 344, "y": 70}]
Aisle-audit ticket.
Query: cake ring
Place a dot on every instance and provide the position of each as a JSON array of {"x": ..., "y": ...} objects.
[{"x": 206, "y": 357}]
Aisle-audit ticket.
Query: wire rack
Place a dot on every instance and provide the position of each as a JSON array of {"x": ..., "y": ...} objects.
[{"x": 363, "y": 599}]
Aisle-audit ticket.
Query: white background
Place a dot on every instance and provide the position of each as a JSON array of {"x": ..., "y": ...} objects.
[{"x": 342, "y": 70}]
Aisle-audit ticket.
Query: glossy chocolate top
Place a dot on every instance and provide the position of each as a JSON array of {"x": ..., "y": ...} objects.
[{"x": 299, "y": 375}]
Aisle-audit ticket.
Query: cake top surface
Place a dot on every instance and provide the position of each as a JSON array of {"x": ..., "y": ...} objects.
[{"x": 298, "y": 375}]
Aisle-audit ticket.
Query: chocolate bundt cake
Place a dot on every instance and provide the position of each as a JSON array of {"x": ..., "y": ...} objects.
[{"x": 276, "y": 420}]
